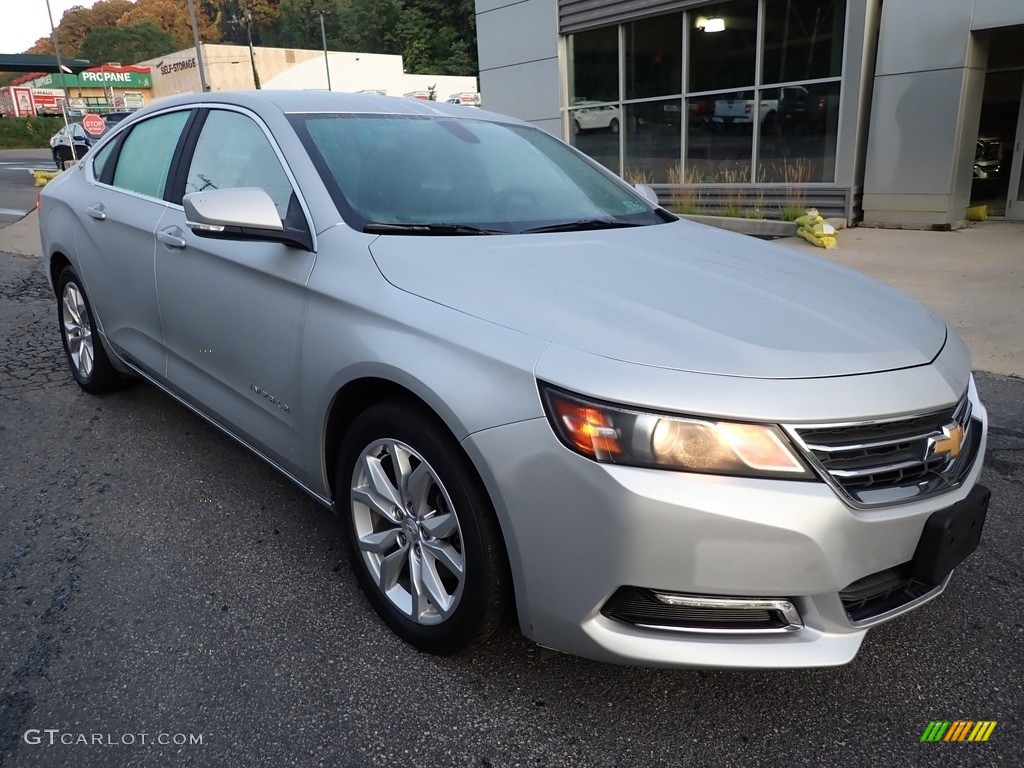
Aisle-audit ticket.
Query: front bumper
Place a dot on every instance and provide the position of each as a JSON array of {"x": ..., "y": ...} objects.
[{"x": 578, "y": 531}]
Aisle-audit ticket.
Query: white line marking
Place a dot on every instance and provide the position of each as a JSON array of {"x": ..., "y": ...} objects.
[{"x": 12, "y": 212}]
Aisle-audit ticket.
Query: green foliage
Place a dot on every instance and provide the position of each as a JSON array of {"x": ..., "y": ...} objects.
[
  {"x": 28, "y": 132},
  {"x": 791, "y": 212},
  {"x": 733, "y": 209},
  {"x": 433, "y": 36},
  {"x": 126, "y": 45}
]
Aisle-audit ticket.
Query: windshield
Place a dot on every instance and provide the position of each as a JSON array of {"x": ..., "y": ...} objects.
[{"x": 427, "y": 175}]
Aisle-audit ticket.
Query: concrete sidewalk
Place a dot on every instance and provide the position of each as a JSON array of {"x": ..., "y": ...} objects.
[{"x": 973, "y": 278}]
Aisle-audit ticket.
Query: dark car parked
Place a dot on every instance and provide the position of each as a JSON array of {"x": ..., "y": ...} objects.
[{"x": 72, "y": 134}]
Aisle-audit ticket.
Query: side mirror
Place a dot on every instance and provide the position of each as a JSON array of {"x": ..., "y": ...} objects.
[
  {"x": 648, "y": 193},
  {"x": 242, "y": 213}
]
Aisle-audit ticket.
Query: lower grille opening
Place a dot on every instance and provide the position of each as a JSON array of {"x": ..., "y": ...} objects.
[
  {"x": 653, "y": 609},
  {"x": 882, "y": 592}
]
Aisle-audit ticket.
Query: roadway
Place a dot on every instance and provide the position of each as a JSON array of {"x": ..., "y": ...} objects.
[{"x": 17, "y": 185}]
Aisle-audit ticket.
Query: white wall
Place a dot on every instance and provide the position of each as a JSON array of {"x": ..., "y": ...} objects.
[{"x": 519, "y": 72}]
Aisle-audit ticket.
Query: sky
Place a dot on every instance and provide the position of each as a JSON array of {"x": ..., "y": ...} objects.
[{"x": 21, "y": 29}]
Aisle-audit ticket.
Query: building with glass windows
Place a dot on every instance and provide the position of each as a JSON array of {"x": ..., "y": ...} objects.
[{"x": 896, "y": 113}]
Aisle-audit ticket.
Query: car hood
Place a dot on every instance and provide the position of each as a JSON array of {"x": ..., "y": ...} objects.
[{"x": 680, "y": 295}]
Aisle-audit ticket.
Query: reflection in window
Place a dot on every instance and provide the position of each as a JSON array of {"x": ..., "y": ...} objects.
[
  {"x": 724, "y": 58},
  {"x": 733, "y": 111},
  {"x": 100, "y": 160},
  {"x": 233, "y": 151},
  {"x": 798, "y": 133},
  {"x": 719, "y": 138},
  {"x": 653, "y": 130},
  {"x": 146, "y": 154},
  {"x": 803, "y": 39},
  {"x": 594, "y": 65},
  {"x": 653, "y": 48},
  {"x": 595, "y": 132}
]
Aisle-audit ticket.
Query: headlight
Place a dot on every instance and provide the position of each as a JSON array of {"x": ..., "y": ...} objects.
[{"x": 617, "y": 434}]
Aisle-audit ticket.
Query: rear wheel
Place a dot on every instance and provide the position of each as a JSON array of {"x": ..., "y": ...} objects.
[
  {"x": 85, "y": 354},
  {"x": 422, "y": 537},
  {"x": 613, "y": 126},
  {"x": 62, "y": 157}
]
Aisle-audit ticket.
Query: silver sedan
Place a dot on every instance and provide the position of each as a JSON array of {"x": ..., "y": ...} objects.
[{"x": 526, "y": 389}]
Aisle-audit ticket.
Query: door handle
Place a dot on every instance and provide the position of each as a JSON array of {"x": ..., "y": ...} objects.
[
  {"x": 171, "y": 237},
  {"x": 95, "y": 211}
]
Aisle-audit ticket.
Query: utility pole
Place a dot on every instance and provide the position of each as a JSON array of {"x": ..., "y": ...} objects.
[
  {"x": 323, "y": 37},
  {"x": 252, "y": 53},
  {"x": 63, "y": 82},
  {"x": 195, "y": 39}
]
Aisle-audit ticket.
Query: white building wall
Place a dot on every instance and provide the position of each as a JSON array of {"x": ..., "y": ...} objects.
[
  {"x": 519, "y": 72},
  {"x": 926, "y": 106},
  {"x": 228, "y": 67}
]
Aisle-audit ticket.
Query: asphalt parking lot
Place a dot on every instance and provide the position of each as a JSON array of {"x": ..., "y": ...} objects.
[
  {"x": 17, "y": 186},
  {"x": 161, "y": 587}
]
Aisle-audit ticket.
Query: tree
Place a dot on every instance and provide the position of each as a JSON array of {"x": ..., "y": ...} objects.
[
  {"x": 126, "y": 44},
  {"x": 232, "y": 15},
  {"x": 433, "y": 36},
  {"x": 173, "y": 18}
]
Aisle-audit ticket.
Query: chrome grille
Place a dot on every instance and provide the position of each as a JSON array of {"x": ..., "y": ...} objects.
[{"x": 888, "y": 462}]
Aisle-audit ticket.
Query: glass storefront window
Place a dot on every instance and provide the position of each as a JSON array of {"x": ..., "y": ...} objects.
[
  {"x": 723, "y": 52},
  {"x": 652, "y": 135},
  {"x": 719, "y": 137},
  {"x": 790, "y": 120},
  {"x": 594, "y": 66},
  {"x": 803, "y": 39},
  {"x": 797, "y": 143},
  {"x": 595, "y": 131},
  {"x": 653, "y": 50}
]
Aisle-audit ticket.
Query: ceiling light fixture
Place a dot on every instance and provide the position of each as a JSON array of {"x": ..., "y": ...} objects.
[{"x": 714, "y": 24}]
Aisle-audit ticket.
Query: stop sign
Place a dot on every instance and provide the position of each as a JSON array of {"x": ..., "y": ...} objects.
[{"x": 93, "y": 124}]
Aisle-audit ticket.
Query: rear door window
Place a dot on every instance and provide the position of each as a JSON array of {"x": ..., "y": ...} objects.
[{"x": 146, "y": 153}]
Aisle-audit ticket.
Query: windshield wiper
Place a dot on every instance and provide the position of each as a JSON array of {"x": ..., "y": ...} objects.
[
  {"x": 581, "y": 225},
  {"x": 437, "y": 228}
]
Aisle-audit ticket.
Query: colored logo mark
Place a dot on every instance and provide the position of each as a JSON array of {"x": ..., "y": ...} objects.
[{"x": 958, "y": 730}]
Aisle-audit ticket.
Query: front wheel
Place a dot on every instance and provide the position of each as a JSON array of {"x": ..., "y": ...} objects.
[
  {"x": 422, "y": 536},
  {"x": 613, "y": 126}
]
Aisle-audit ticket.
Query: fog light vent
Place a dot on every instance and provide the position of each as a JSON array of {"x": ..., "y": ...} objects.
[
  {"x": 652, "y": 609},
  {"x": 882, "y": 592}
]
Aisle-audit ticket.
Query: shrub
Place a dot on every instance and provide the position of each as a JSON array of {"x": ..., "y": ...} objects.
[{"x": 28, "y": 132}]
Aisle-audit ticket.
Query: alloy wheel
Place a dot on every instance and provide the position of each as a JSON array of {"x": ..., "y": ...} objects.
[
  {"x": 408, "y": 532},
  {"x": 77, "y": 330}
]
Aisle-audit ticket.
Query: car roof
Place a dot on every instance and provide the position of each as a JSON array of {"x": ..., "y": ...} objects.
[{"x": 299, "y": 101}]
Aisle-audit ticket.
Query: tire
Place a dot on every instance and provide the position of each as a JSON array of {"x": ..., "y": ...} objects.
[
  {"x": 613, "y": 126},
  {"x": 423, "y": 542},
  {"x": 576, "y": 127},
  {"x": 62, "y": 156},
  {"x": 86, "y": 357}
]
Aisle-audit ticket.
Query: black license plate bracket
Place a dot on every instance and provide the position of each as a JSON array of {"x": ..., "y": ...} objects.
[{"x": 949, "y": 536}]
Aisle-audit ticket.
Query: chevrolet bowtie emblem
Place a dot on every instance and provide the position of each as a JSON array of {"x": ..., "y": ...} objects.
[{"x": 947, "y": 446}]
